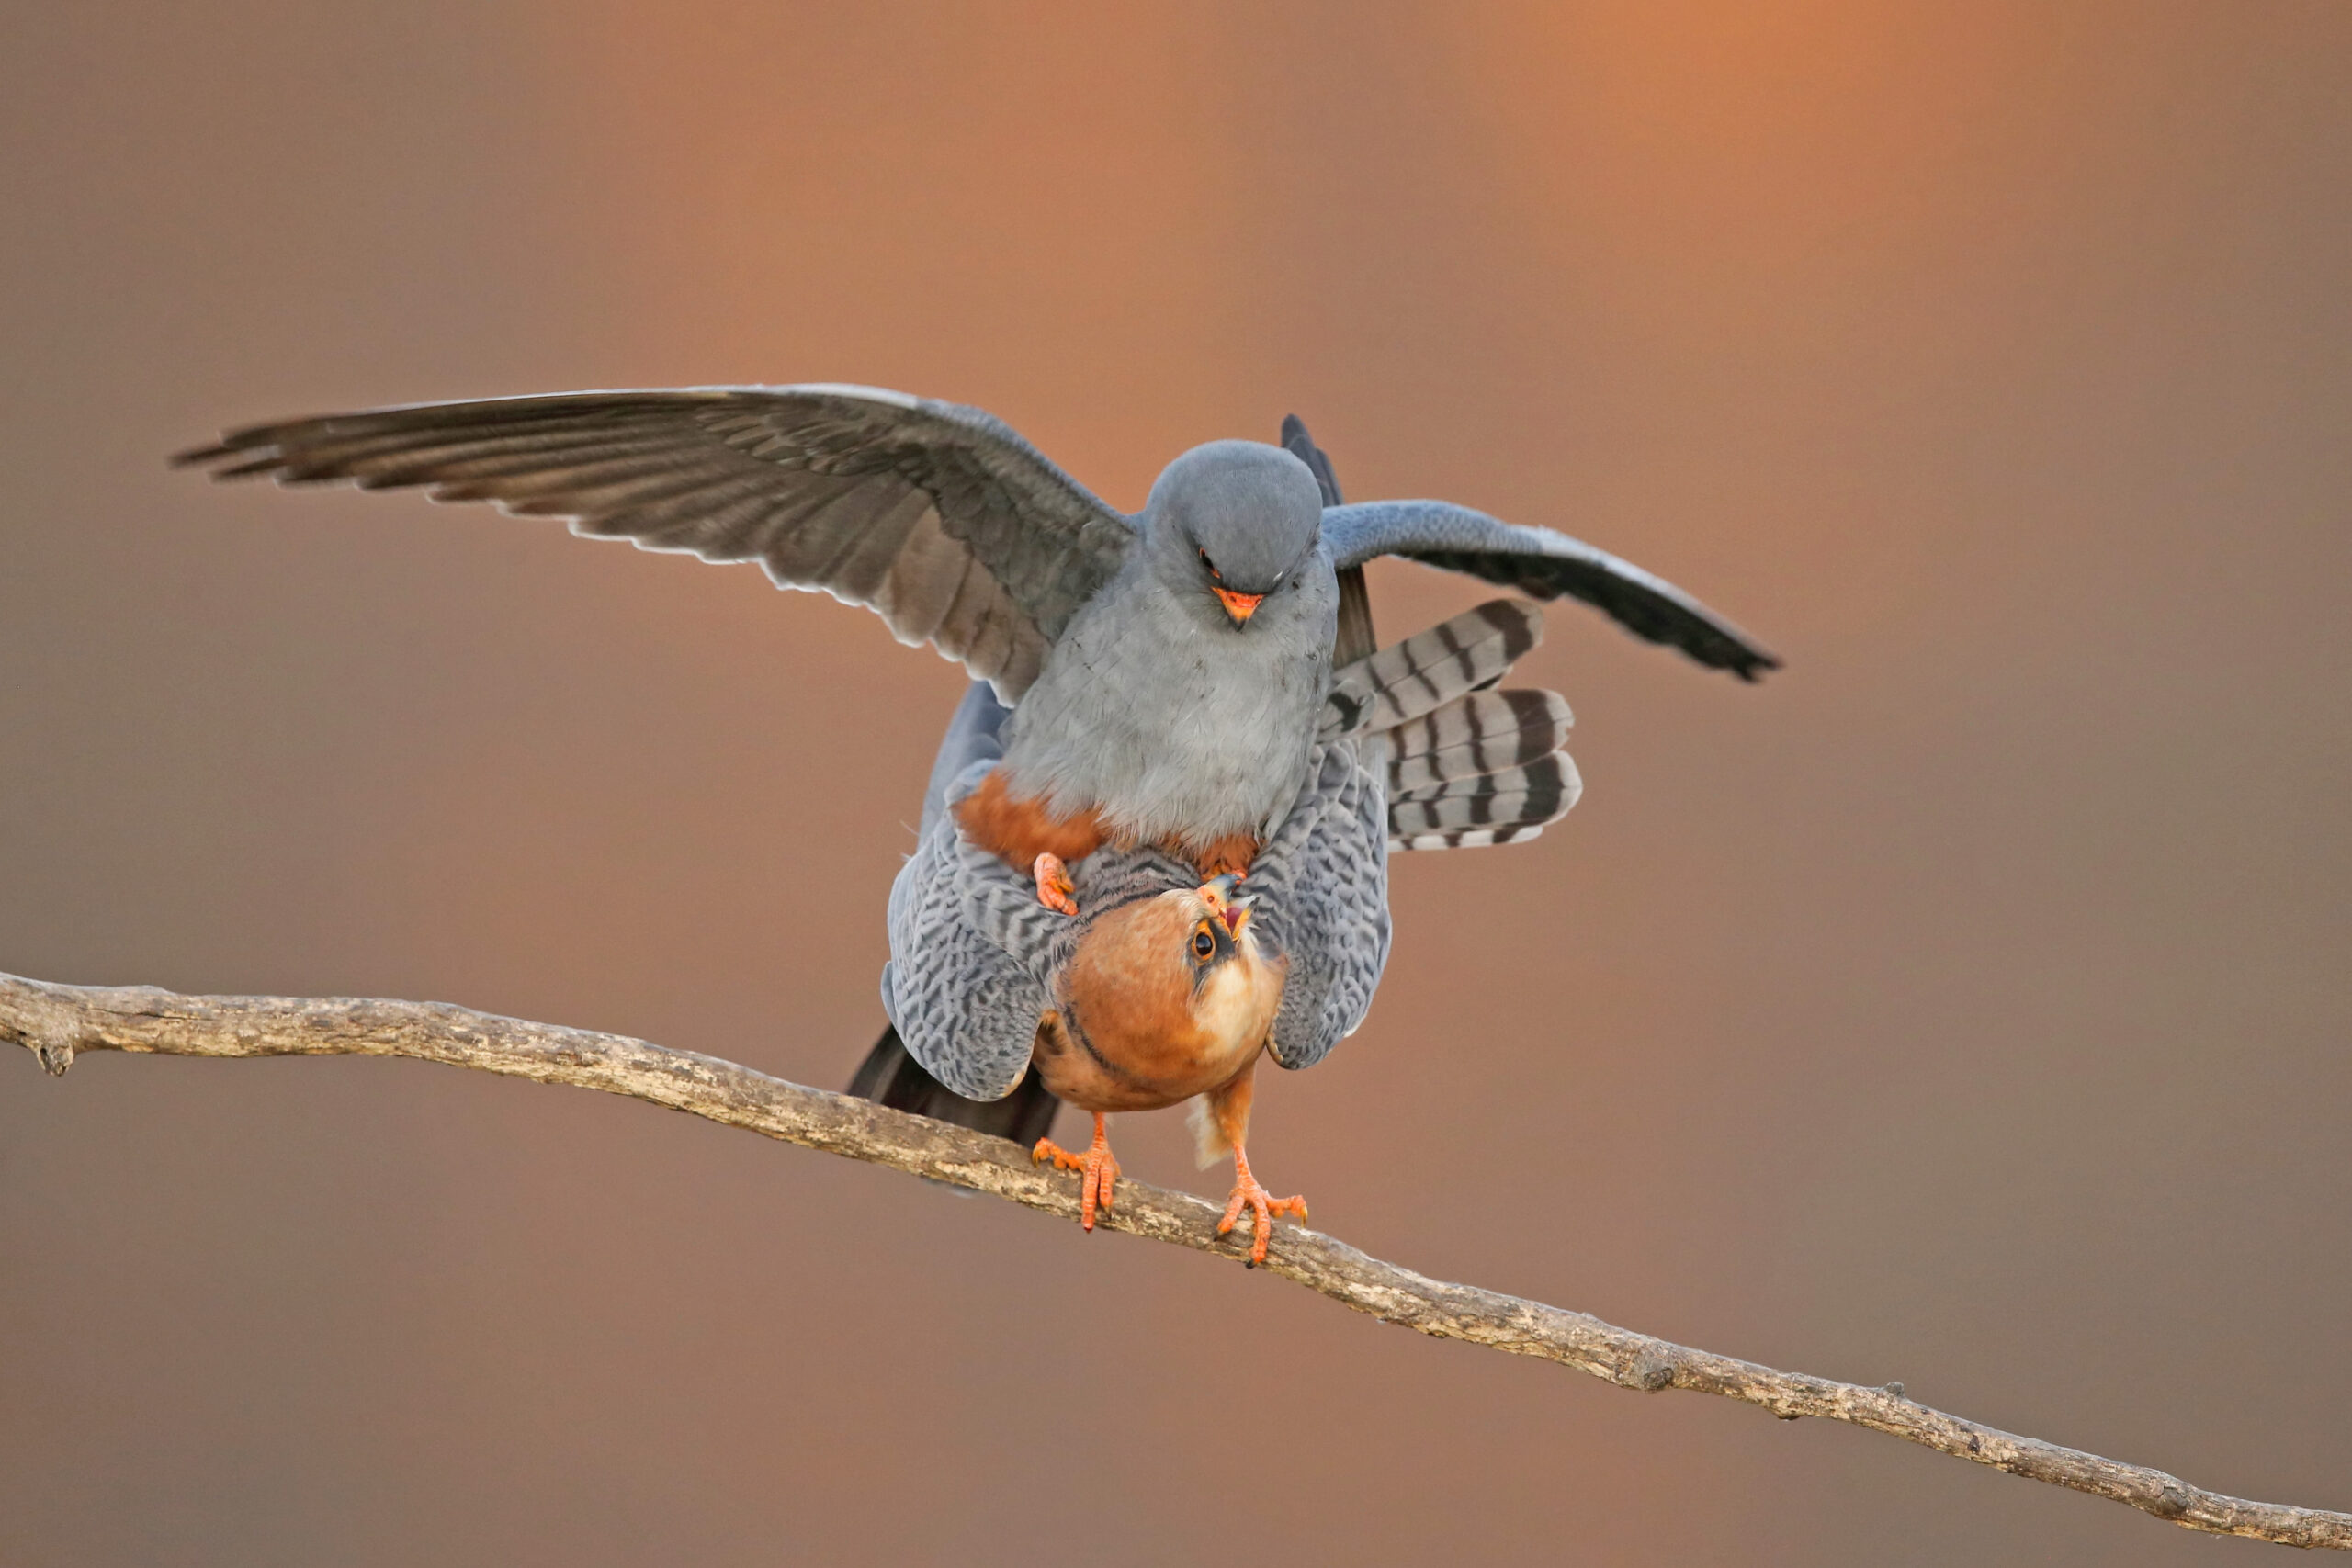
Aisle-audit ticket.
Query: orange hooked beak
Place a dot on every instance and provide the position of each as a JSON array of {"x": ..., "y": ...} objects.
[{"x": 1241, "y": 606}]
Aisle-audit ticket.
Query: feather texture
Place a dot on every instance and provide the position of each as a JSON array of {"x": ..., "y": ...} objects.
[
  {"x": 1478, "y": 734},
  {"x": 937, "y": 516},
  {"x": 1486, "y": 769},
  {"x": 1547, "y": 565},
  {"x": 1466, "y": 765},
  {"x": 1431, "y": 668},
  {"x": 976, "y": 962}
]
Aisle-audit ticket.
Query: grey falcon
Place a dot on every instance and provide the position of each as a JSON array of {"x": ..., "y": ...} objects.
[{"x": 1164, "y": 670}]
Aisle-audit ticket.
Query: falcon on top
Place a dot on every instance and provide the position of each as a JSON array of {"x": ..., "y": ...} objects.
[{"x": 1165, "y": 671}]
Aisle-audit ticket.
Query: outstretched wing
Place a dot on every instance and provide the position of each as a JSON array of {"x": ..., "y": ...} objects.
[
  {"x": 939, "y": 517},
  {"x": 1546, "y": 564}
]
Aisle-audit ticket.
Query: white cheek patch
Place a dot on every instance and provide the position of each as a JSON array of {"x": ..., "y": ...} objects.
[{"x": 1227, "y": 1006}]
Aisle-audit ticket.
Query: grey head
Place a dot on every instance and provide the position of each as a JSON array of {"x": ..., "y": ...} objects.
[{"x": 1233, "y": 523}]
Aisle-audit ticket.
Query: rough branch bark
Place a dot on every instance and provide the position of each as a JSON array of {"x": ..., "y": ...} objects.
[{"x": 58, "y": 1022}]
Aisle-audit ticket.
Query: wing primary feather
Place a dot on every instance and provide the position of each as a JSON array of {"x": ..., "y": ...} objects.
[
  {"x": 828, "y": 485},
  {"x": 1546, "y": 564}
]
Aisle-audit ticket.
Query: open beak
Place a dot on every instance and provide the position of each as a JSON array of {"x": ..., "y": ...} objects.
[
  {"x": 1241, "y": 606},
  {"x": 1217, "y": 894}
]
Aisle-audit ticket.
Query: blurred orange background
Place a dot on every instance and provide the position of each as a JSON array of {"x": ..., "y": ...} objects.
[{"x": 1967, "y": 1005}]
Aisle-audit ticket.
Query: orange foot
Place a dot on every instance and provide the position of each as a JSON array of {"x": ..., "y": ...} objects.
[
  {"x": 1263, "y": 1205},
  {"x": 1102, "y": 1170},
  {"x": 1230, "y": 854},
  {"x": 1053, "y": 886}
]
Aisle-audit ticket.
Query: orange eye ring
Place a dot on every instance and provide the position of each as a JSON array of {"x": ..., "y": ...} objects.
[
  {"x": 1215, "y": 575},
  {"x": 1203, "y": 943}
]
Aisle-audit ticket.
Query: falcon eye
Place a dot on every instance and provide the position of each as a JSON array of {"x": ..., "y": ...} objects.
[
  {"x": 1212, "y": 567},
  {"x": 1203, "y": 943}
]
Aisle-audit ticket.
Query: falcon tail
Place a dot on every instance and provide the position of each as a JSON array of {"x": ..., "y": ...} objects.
[
  {"x": 890, "y": 1077},
  {"x": 1467, "y": 764},
  {"x": 1484, "y": 769},
  {"x": 1431, "y": 668}
]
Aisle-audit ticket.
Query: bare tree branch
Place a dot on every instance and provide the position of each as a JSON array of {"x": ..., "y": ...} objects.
[{"x": 57, "y": 1021}]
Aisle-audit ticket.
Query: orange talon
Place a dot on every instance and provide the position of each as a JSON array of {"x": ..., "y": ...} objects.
[
  {"x": 1231, "y": 853},
  {"x": 1101, "y": 1168},
  {"x": 1263, "y": 1207},
  {"x": 1053, "y": 886}
]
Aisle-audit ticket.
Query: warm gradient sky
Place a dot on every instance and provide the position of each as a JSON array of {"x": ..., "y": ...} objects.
[{"x": 1968, "y": 1004}]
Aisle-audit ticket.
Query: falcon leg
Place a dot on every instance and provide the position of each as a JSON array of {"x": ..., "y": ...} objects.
[
  {"x": 1101, "y": 1168},
  {"x": 1053, "y": 886},
  {"x": 1263, "y": 1206},
  {"x": 1225, "y": 1124},
  {"x": 1231, "y": 853}
]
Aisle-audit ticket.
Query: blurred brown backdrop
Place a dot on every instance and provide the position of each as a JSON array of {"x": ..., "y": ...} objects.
[{"x": 1968, "y": 1004}]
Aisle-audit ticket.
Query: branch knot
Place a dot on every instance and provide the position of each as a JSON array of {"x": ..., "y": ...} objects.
[{"x": 1653, "y": 1370}]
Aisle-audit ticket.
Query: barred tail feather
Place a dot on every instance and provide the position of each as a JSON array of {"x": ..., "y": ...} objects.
[
  {"x": 1463, "y": 839},
  {"x": 1500, "y": 807},
  {"x": 1552, "y": 774},
  {"x": 1467, "y": 764},
  {"x": 1477, "y": 734},
  {"x": 1431, "y": 668}
]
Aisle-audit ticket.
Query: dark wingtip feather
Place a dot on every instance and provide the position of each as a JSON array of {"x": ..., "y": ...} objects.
[
  {"x": 254, "y": 467},
  {"x": 202, "y": 456},
  {"x": 240, "y": 443},
  {"x": 1519, "y": 621},
  {"x": 238, "y": 455}
]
